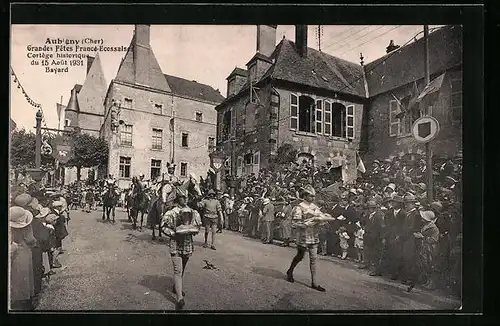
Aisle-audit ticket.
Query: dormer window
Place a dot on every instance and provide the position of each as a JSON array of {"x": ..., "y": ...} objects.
[
  {"x": 159, "y": 108},
  {"x": 127, "y": 103}
]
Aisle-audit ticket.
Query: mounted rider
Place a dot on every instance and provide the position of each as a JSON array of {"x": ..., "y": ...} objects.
[
  {"x": 166, "y": 182},
  {"x": 110, "y": 184}
]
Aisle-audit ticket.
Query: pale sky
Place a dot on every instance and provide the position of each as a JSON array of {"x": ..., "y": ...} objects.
[{"x": 205, "y": 53}]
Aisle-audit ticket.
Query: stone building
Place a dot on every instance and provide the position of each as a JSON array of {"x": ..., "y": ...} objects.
[
  {"x": 399, "y": 74},
  {"x": 330, "y": 109},
  {"x": 291, "y": 93},
  {"x": 152, "y": 118}
]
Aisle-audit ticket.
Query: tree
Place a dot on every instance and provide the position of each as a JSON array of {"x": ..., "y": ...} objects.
[
  {"x": 22, "y": 152},
  {"x": 88, "y": 151},
  {"x": 286, "y": 154}
]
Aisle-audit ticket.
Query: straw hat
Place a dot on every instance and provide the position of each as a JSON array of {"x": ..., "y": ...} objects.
[
  {"x": 51, "y": 218},
  {"x": 353, "y": 191},
  {"x": 410, "y": 198},
  {"x": 391, "y": 185},
  {"x": 44, "y": 211},
  {"x": 22, "y": 200},
  {"x": 428, "y": 216},
  {"x": 19, "y": 217},
  {"x": 266, "y": 201}
]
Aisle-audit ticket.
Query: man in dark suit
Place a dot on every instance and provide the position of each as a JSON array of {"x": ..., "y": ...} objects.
[
  {"x": 394, "y": 219},
  {"x": 374, "y": 237},
  {"x": 411, "y": 224}
]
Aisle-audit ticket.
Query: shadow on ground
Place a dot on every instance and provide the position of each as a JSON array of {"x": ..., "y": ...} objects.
[{"x": 161, "y": 284}]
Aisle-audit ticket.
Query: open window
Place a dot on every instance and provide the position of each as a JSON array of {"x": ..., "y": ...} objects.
[
  {"x": 306, "y": 114},
  {"x": 319, "y": 116},
  {"x": 338, "y": 120}
]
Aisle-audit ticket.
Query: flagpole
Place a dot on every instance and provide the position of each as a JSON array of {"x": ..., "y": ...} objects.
[{"x": 428, "y": 111}]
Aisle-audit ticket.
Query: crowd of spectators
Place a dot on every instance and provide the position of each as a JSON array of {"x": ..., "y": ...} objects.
[
  {"x": 384, "y": 220},
  {"x": 38, "y": 220}
]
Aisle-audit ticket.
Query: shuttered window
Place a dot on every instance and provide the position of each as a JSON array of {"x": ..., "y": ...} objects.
[
  {"x": 350, "y": 122},
  {"x": 328, "y": 118},
  {"x": 294, "y": 111},
  {"x": 319, "y": 116}
]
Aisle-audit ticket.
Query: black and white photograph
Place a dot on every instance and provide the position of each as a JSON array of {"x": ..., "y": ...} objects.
[{"x": 170, "y": 167}]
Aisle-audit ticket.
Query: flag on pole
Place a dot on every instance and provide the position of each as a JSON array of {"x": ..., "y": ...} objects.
[
  {"x": 361, "y": 165},
  {"x": 400, "y": 105},
  {"x": 409, "y": 102},
  {"x": 432, "y": 87}
]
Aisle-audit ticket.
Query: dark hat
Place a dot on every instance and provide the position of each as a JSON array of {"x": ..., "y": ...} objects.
[
  {"x": 395, "y": 198},
  {"x": 211, "y": 192}
]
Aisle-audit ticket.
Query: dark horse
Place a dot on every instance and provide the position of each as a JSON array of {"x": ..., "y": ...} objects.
[
  {"x": 140, "y": 204},
  {"x": 109, "y": 202},
  {"x": 190, "y": 186}
]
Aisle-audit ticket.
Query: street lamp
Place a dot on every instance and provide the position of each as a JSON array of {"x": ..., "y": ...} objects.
[{"x": 37, "y": 173}]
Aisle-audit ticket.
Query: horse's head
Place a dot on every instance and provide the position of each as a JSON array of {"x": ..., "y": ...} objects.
[{"x": 195, "y": 184}]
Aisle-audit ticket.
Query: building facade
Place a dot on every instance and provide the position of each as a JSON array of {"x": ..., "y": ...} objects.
[
  {"x": 152, "y": 119},
  {"x": 398, "y": 75},
  {"x": 330, "y": 109},
  {"x": 292, "y": 94}
]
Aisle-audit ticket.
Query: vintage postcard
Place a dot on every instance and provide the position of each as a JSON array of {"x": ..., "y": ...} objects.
[{"x": 235, "y": 167}]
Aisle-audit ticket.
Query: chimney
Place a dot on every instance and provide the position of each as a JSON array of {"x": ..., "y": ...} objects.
[
  {"x": 90, "y": 60},
  {"x": 301, "y": 39},
  {"x": 266, "y": 39},
  {"x": 391, "y": 47},
  {"x": 142, "y": 35}
]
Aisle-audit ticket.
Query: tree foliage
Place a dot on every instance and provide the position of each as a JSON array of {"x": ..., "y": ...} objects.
[
  {"x": 22, "y": 151},
  {"x": 88, "y": 151},
  {"x": 286, "y": 154}
]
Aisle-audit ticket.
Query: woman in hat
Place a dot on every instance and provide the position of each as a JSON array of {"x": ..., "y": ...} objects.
[
  {"x": 267, "y": 221},
  {"x": 307, "y": 235},
  {"x": 427, "y": 239},
  {"x": 181, "y": 245},
  {"x": 22, "y": 287}
]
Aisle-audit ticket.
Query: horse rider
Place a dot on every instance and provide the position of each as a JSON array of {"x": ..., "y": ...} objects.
[
  {"x": 110, "y": 184},
  {"x": 163, "y": 180}
]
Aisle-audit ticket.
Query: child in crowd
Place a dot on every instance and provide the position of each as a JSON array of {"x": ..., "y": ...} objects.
[
  {"x": 344, "y": 244},
  {"x": 358, "y": 242}
]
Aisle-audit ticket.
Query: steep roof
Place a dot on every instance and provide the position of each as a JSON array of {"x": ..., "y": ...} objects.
[
  {"x": 317, "y": 69},
  {"x": 193, "y": 89},
  {"x": 92, "y": 93},
  {"x": 239, "y": 72},
  {"x": 407, "y": 63},
  {"x": 139, "y": 66}
]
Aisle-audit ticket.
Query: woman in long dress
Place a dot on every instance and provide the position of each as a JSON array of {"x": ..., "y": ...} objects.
[{"x": 22, "y": 287}]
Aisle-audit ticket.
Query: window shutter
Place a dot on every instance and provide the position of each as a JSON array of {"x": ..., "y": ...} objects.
[
  {"x": 328, "y": 118},
  {"x": 294, "y": 111},
  {"x": 233, "y": 122},
  {"x": 393, "y": 121},
  {"x": 350, "y": 122},
  {"x": 319, "y": 116}
]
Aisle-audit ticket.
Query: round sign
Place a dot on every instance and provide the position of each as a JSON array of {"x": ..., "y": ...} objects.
[{"x": 425, "y": 129}]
